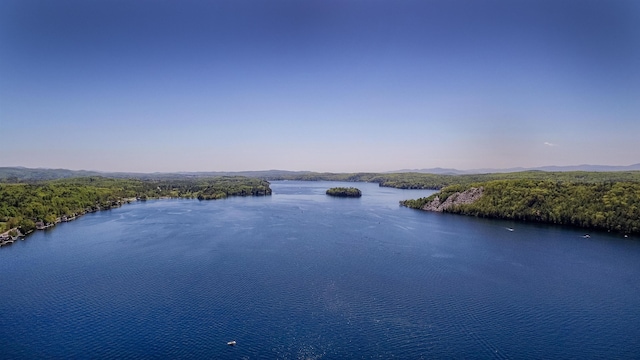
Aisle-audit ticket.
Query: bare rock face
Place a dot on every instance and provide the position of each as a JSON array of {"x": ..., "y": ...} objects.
[{"x": 459, "y": 198}]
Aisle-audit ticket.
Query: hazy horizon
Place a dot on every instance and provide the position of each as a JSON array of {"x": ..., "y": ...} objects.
[
  {"x": 316, "y": 171},
  {"x": 335, "y": 86}
]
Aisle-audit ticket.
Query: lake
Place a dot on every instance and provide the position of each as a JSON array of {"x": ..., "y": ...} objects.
[{"x": 300, "y": 275}]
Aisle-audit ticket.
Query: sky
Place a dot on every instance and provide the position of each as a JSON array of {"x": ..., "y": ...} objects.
[{"x": 339, "y": 86}]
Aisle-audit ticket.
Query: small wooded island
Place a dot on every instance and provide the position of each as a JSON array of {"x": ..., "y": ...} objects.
[{"x": 344, "y": 192}]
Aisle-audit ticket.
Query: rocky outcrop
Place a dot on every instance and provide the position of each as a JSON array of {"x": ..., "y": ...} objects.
[{"x": 458, "y": 198}]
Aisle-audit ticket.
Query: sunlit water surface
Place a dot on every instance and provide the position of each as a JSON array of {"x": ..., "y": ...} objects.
[{"x": 300, "y": 275}]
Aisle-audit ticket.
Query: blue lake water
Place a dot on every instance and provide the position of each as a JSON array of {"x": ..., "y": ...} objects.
[{"x": 300, "y": 275}]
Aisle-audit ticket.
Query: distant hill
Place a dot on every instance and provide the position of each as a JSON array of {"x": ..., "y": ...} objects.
[
  {"x": 590, "y": 168},
  {"x": 22, "y": 174},
  {"x": 444, "y": 171},
  {"x": 437, "y": 171}
]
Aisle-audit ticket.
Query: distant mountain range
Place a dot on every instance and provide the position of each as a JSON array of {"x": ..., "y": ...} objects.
[
  {"x": 14, "y": 174},
  {"x": 445, "y": 171},
  {"x": 19, "y": 173}
]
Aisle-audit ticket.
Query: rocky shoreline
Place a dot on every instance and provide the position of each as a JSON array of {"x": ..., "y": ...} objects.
[{"x": 459, "y": 198}]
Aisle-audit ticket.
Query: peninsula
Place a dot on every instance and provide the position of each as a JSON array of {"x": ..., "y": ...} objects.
[{"x": 611, "y": 206}]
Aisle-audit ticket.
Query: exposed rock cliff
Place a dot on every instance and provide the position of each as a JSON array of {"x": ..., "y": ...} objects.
[{"x": 459, "y": 198}]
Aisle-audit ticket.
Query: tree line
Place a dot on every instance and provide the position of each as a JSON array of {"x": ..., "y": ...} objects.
[
  {"x": 23, "y": 205},
  {"x": 439, "y": 181},
  {"x": 606, "y": 205},
  {"x": 344, "y": 192}
]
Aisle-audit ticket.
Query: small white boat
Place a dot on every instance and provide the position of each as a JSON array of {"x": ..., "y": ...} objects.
[
  {"x": 231, "y": 343},
  {"x": 510, "y": 229},
  {"x": 586, "y": 236}
]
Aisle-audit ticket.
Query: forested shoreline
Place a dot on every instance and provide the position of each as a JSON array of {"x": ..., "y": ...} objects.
[
  {"x": 27, "y": 206},
  {"x": 439, "y": 181},
  {"x": 406, "y": 180},
  {"x": 593, "y": 200},
  {"x": 612, "y": 206},
  {"x": 601, "y": 200}
]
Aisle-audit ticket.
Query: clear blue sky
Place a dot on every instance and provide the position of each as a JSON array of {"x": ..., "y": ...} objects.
[{"x": 318, "y": 85}]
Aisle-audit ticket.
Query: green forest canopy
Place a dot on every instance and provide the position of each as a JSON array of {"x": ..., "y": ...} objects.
[
  {"x": 344, "y": 192},
  {"x": 437, "y": 182},
  {"x": 409, "y": 180},
  {"x": 606, "y": 205},
  {"x": 22, "y": 205},
  {"x": 606, "y": 200}
]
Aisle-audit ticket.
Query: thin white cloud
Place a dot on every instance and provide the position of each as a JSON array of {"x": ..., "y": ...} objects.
[{"x": 549, "y": 144}]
